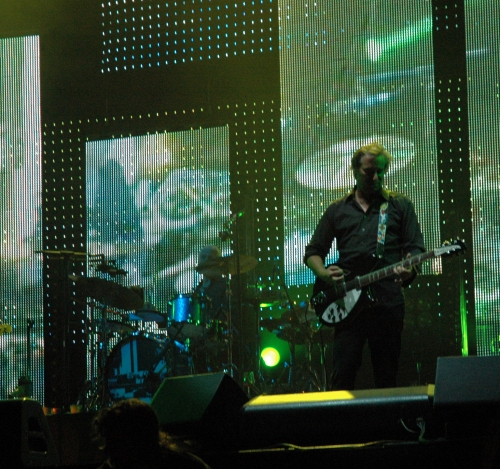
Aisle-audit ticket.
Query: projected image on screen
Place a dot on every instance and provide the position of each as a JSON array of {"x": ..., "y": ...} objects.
[
  {"x": 153, "y": 202},
  {"x": 484, "y": 136},
  {"x": 21, "y": 318},
  {"x": 352, "y": 73}
]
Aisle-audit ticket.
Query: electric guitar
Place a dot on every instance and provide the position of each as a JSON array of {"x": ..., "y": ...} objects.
[{"x": 336, "y": 304}]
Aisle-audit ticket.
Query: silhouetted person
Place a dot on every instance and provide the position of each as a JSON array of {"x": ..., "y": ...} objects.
[{"x": 132, "y": 439}]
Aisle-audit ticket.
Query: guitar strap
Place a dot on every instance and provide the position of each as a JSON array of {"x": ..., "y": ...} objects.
[{"x": 382, "y": 226}]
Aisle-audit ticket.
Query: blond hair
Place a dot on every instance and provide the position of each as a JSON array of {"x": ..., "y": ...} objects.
[{"x": 373, "y": 148}]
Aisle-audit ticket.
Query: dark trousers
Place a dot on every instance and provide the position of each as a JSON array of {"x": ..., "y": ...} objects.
[{"x": 382, "y": 329}]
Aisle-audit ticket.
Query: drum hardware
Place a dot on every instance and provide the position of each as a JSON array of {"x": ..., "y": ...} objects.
[
  {"x": 119, "y": 327},
  {"x": 253, "y": 292},
  {"x": 300, "y": 327},
  {"x": 109, "y": 267},
  {"x": 185, "y": 330},
  {"x": 108, "y": 292},
  {"x": 228, "y": 265},
  {"x": 148, "y": 313},
  {"x": 217, "y": 333},
  {"x": 297, "y": 326},
  {"x": 232, "y": 265},
  {"x": 286, "y": 327},
  {"x": 266, "y": 295}
]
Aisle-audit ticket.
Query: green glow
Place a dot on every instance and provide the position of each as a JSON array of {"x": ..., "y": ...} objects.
[
  {"x": 378, "y": 49},
  {"x": 270, "y": 356}
]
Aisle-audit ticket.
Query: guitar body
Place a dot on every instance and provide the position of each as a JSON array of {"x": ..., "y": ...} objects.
[
  {"x": 336, "y": 304},
  {"x": 339, "y": 306}
]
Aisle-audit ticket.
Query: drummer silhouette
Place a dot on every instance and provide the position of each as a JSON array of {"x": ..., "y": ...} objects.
[
  {"x": 212, "y": 291},
  {"x": 213, "y": 294}
]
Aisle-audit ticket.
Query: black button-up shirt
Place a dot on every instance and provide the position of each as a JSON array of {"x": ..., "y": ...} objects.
[{"x": 356, "y": 234}]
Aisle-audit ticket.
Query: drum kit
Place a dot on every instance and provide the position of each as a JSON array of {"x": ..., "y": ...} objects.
[
  {"x": 300, "y": 326},
  {"x": 134, "y": 346},
  {"x": 148, "y": 345}
]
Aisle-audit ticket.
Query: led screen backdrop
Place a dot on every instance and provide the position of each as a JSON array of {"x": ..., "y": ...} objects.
[
  {"x": 351, "y": 73},
  {"x": 483, "y": 63},
  {"x": 20, "y": 176},
  {"x": 146, "y": 34},
  {"x": 153, "y": 202}
]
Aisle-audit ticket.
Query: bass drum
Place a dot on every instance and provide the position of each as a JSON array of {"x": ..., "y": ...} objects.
[{"x": 136, "y": 367}]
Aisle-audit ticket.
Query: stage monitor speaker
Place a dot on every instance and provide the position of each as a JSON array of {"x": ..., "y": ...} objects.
[
  {"x": 26, "y": 440},
  {"x": 206, "y": 406},
  {"x": 333, "y": 417},
  {"x": 467, "y": 381}
]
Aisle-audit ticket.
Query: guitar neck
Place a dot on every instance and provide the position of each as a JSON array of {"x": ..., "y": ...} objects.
[{"x": 372, "y": 277}]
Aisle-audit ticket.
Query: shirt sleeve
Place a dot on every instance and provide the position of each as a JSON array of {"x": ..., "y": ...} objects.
[{"x": 322, "y": 238}]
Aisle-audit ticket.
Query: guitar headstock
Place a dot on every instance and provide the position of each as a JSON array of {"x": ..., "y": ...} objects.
[{"x": 452, "y": 248}]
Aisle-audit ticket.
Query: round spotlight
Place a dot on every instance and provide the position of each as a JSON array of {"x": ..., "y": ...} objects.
[{"x": 270, "y": 356}]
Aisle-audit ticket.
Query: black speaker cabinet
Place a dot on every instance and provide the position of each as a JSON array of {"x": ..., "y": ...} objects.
[
  {"x": 26, "y": 440},
  {"x": 206, "y": 406},
  {"x": 467, "y": 381},
  {"x": 333, "y": 417}
]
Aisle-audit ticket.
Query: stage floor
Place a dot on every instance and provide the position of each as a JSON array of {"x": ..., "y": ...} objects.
[{"x": 375, "y": 428}]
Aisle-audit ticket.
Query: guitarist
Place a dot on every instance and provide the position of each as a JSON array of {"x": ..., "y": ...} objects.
[{"x": 367, "y": 240}]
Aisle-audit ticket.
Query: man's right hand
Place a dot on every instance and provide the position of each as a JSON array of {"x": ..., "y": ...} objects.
[{"x": 332, "y": 274}]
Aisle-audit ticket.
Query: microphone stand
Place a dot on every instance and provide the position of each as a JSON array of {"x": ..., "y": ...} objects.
[{"x": 224, "y": 235}]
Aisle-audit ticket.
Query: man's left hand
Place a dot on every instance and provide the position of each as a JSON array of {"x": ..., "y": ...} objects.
[{"x": 403, "y": 273}]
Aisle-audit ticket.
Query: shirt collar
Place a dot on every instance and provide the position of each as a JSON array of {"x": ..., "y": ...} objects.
[{"x": 385, "y": 194}]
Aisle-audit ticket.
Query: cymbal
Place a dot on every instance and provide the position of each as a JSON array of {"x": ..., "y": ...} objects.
[
  {"x": 228, "y": 265},
  {"x": 108, "y": 292},
  {"x": 147, "y": 313},
  {"x": 117, "y": 326}
]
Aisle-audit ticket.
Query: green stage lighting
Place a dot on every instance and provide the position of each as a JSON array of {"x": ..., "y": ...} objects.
[{"x": 270, "y": 356}]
